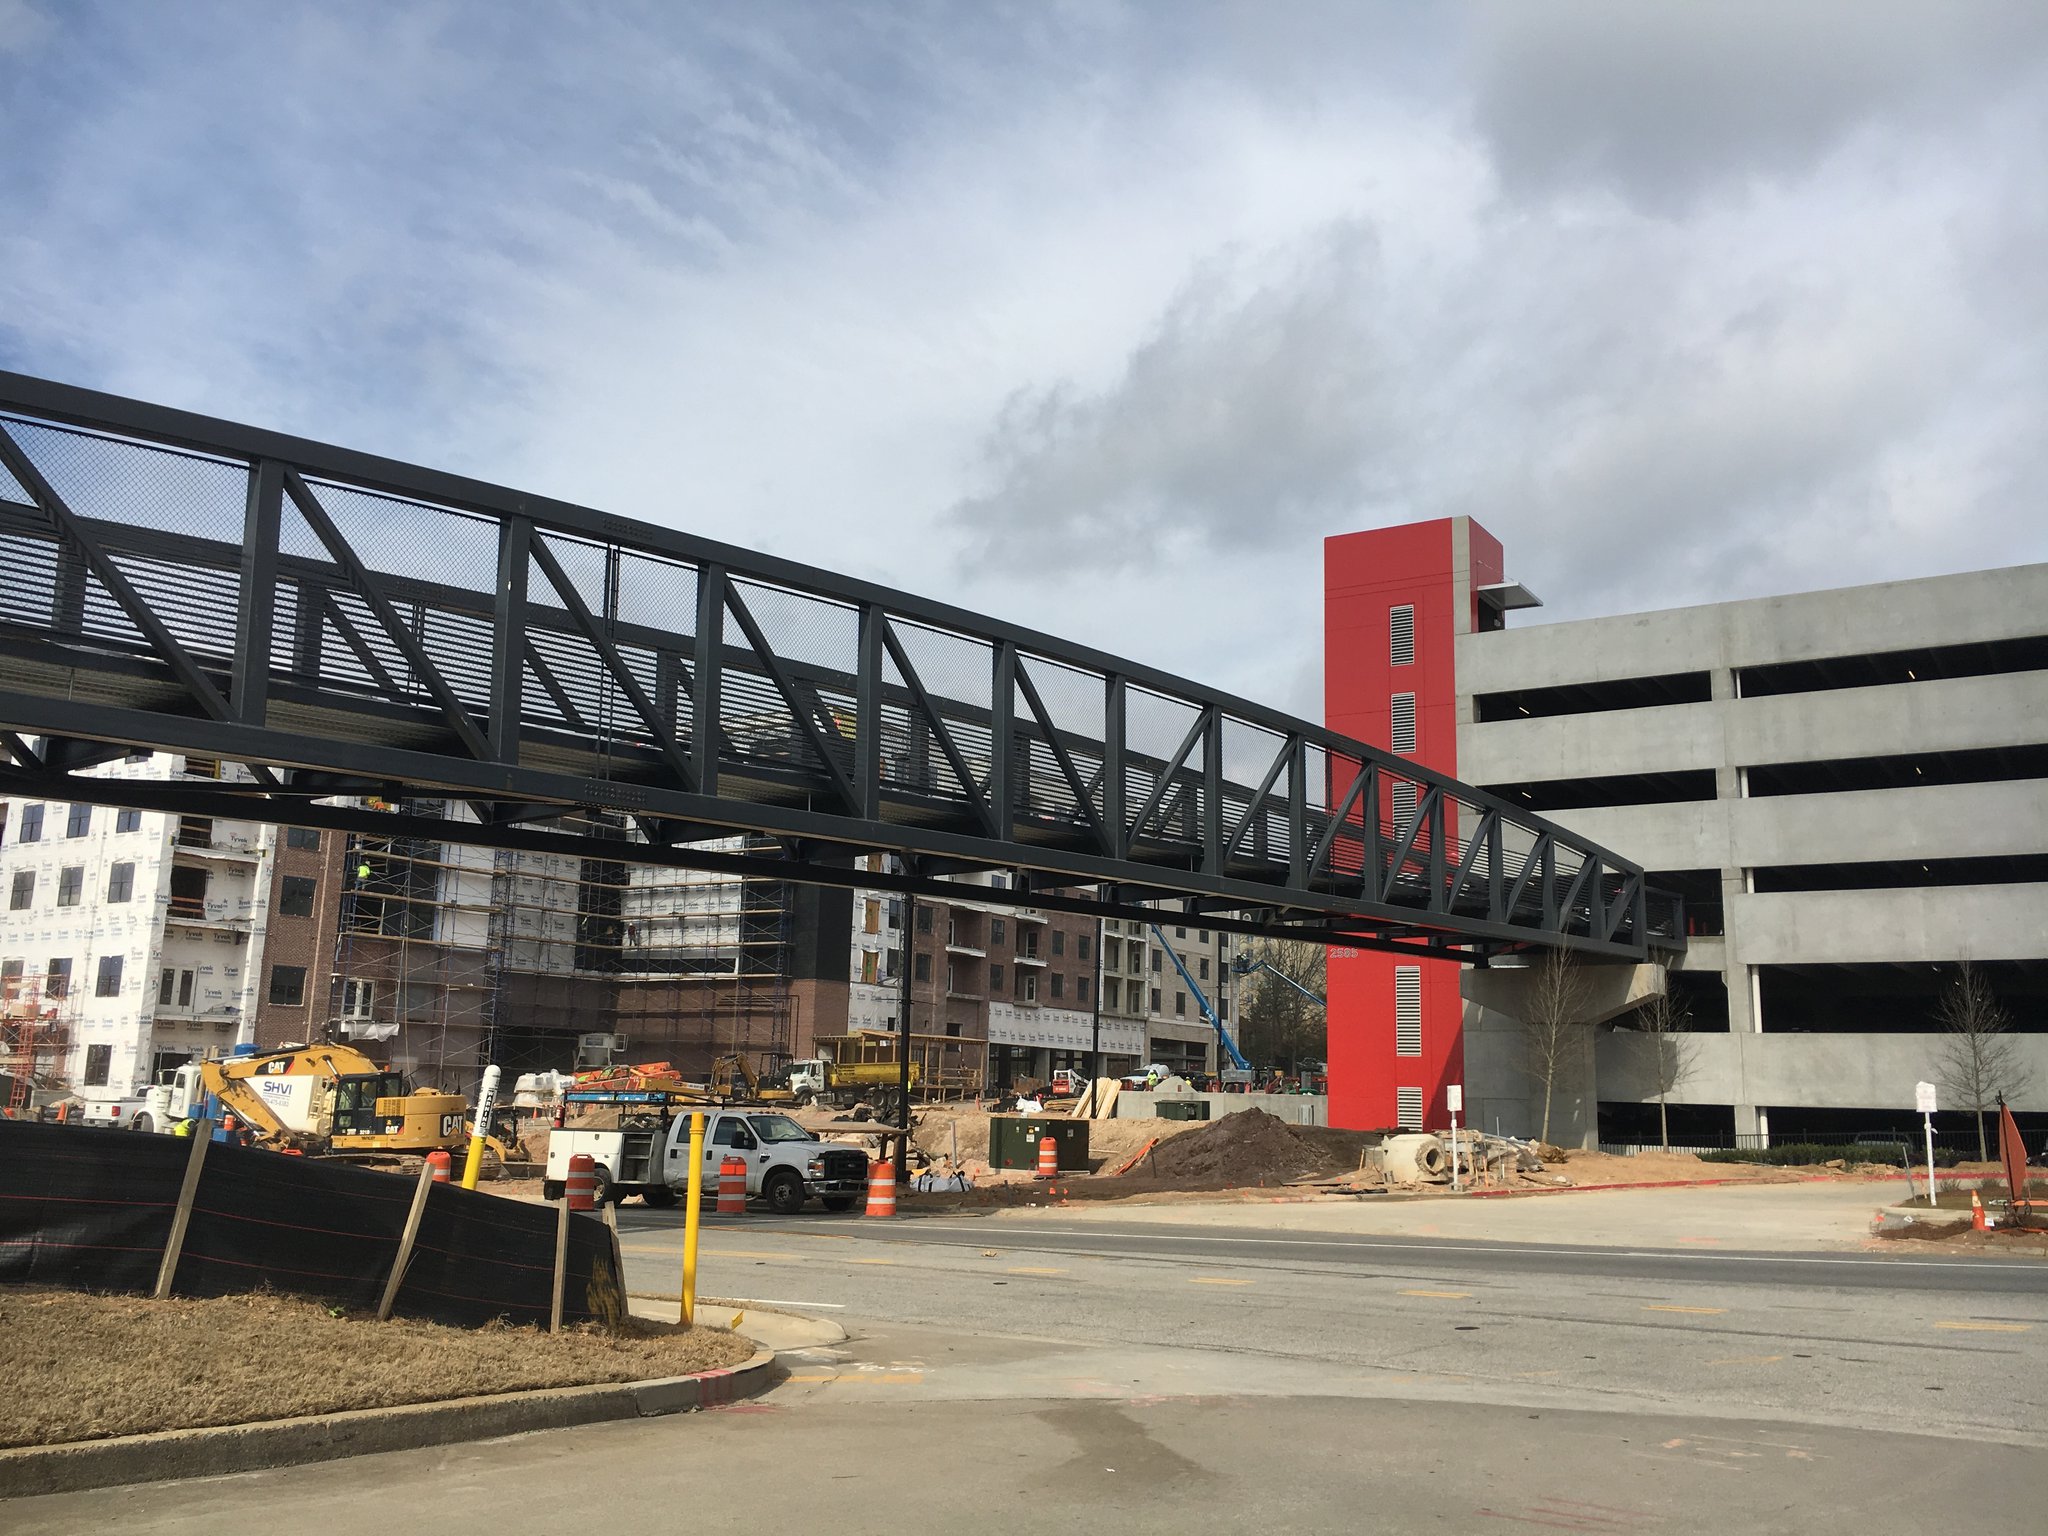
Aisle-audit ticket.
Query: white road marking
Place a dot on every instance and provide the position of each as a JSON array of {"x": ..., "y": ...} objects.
[{"x": 1480, "y": 1245}]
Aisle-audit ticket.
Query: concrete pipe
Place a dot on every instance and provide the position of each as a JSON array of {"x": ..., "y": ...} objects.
[{"x": 1415, "y": 1158}]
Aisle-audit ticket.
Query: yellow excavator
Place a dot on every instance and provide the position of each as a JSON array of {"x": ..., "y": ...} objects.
[{"x": 322, "y": 1100}]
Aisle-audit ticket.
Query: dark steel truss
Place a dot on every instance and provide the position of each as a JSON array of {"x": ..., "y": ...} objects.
[{"x": 351, "y": 627}]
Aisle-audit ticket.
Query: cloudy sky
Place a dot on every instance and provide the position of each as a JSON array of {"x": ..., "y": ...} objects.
[{"x": 1096, "y": 316}]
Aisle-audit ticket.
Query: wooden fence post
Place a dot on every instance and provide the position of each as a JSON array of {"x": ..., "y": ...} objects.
[
  {"x": 405, "y": 1241},
  {"x": 561, "y": 1264},
  {"x": 181, "y": 1218},
  {"x": 611, "y": 1221}
]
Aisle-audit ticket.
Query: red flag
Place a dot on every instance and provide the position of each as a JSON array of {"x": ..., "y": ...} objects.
[{"x": 2013, "y": 1153}]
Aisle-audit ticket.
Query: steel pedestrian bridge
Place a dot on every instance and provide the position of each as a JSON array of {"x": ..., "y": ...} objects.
[{"x": 354, "y": 627}]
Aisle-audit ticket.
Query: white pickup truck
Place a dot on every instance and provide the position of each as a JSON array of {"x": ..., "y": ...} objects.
[{"x": 647, "y": 1153}]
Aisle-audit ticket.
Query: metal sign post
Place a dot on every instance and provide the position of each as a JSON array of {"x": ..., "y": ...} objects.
[
  {"x": 1923, "y": 1100},
  {"x": 1454, "y": 1100}
]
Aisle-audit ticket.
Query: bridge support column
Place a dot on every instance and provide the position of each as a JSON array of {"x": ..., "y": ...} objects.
[{"x": 1498, "y": 1083}]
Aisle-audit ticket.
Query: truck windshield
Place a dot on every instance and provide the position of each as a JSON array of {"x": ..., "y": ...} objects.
[{"x": 777, "y": 1128}]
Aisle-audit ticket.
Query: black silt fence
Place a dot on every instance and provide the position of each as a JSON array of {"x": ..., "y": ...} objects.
[{"x": 91, "y": 1209}]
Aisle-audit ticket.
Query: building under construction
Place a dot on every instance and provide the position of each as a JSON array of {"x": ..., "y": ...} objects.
[{"x": 443, "y": 957}]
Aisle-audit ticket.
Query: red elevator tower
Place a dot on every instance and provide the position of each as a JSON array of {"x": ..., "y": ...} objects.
[{"x": 1394, "y": 602}]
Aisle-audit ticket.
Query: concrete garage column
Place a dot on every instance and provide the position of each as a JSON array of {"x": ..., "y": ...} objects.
[{"x": 1498, "y": 1085}]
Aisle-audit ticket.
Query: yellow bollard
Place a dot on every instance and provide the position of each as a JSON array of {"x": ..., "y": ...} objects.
[
  {"x": 693, "y": 1211},
  {"x": 486, "y": 1102}
]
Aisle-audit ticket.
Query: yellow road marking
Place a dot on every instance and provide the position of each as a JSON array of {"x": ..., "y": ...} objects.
[
  {"x": 871, "y": 1261},
  {"x": 1216, "y": 1280},
  {"x": 1988, "y": 1327},
  {"x": 1748, "y": 1360},
  {"x": 826, "y": 1376},
  {"x": 1442, "y": 1295},
  {"x": 1694, "y": 1311},
  {"x": 1030, "y": 1271}
]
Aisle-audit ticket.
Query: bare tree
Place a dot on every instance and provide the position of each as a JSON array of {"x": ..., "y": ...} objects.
[
  {"x": 1553, "y": 1028},
  {"x": 1979, "y": 1064},
  {"x": 1276, "y": 1023},
  {"x": 1666, "y": 1022}
]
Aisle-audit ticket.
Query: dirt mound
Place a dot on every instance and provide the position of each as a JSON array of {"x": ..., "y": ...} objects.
[{"x": 1248, "y": 1147}]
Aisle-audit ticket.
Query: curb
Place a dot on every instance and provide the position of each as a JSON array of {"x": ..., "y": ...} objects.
[
  {"x": 1941, "y": 1175},
  {"x": 26, "y": 1471}
]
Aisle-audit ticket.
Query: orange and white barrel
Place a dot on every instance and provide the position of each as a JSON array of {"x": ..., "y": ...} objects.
[
  {"x": 443, "y": 1166},
  {"x": 732, "y": 1187},
  {"x": 1048, "y": 1158},
  {"x": 580, "y": 1187},
  {"x": 882, "y": 1189}
]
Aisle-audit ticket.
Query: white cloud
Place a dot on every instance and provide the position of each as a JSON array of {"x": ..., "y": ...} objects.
[{"x": 1083, "y": 317}]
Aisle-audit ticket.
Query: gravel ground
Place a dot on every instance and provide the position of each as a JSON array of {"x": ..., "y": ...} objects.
[{"x": 83, "y": 1367}]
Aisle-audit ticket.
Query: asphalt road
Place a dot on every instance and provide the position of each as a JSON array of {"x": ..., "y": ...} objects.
[
  {"x": 1005, "y": 1374},
  {"x": 1954, "y": 1346}
]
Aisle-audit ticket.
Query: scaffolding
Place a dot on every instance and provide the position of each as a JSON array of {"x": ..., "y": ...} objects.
[
  {"x": 33, "y": 1036},
  {"x": 451, "y": 957}
]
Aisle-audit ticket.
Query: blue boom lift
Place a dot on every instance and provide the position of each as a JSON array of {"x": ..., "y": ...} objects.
[{"x": 1201, "y": 999}]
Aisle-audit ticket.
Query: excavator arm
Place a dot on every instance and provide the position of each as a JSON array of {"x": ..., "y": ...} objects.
[
  {"x": 241, "y": 1100},
  {"x": 237, "y": 1082}
]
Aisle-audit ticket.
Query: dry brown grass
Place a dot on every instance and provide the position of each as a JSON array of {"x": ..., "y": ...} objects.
[{"x": 81, "y": 1367}]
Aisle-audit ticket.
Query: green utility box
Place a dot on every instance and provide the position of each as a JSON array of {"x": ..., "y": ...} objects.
[
  {"x": 1013, "y": 1141},
  {"x": 1180, "y": 1109}
]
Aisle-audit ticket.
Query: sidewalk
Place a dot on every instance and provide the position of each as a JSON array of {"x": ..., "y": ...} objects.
[{"x": 1770, "y": 1217}]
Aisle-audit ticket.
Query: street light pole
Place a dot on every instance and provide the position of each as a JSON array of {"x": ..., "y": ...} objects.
[
  {"x": 903, "y": 1039},
  {"x": 1095, "y": 1043}
]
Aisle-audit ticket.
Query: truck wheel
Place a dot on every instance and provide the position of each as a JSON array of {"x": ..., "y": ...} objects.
[
  {"x": 660, "y": 1196},
  {"x": 838, "y": 1202},
  {"x": 142, "y": 1122},
  {"x": 600, "y": 1187},
  {"x": 784, "y": 1192},
  {"x": 551, "y": 1189}
]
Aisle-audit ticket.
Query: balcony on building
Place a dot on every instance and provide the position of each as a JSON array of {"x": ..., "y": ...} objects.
[
  {"x": 189, "y": 883},
  {"x": 222, "y": 1018},
  {"x": 1030, "y": 915},
  {"x": 201, "y": 837},
  {"x": 965, "y": 934}
]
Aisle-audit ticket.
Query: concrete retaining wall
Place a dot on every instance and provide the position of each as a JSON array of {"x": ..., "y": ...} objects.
[{"x": 1294, "y": 1108}]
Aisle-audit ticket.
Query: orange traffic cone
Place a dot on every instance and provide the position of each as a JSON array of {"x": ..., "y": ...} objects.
[
  {"x": 1977, "y": 1213},
  {"x": 882, "y": 1189}
]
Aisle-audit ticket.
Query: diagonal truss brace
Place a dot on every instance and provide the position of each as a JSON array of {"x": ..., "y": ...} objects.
[
  {"x": 614, "y": 663},
  {"x": 139, "y": 613},
  {"x": 368, "y": 588}
]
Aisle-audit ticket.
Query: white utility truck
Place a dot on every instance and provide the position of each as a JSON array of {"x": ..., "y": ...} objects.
[{"x": 640, "y": 1141}]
